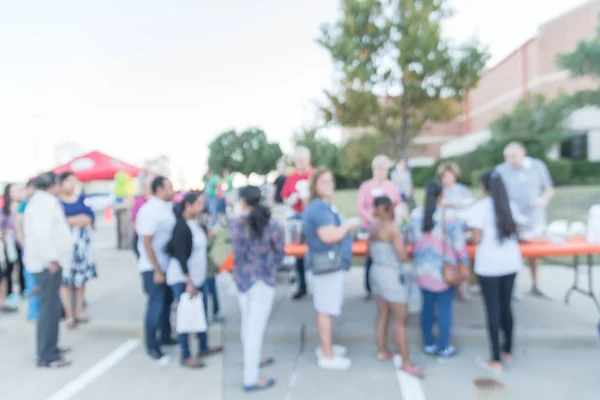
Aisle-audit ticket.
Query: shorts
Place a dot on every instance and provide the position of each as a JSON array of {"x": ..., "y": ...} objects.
[{"x": 328, "y": 292}]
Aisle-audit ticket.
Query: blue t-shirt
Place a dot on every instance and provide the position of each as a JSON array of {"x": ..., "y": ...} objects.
[
  {"x": 78, "y": 207},
  {"x": 318, "y": 214}
]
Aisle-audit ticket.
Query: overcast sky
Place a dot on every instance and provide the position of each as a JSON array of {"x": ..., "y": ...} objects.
[{"x": 135, "y": 78}]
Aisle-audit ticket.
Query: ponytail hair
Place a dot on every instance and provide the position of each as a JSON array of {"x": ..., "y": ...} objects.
[
  {"x": 433, "y": 191},
  {"x": 260, "y": 215},
  {"x": 189, "y": 199},
  {"x": 494, "y": 186}
]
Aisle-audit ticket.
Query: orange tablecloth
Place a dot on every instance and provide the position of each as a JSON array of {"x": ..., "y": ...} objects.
[{"x": 539, "y": 249}]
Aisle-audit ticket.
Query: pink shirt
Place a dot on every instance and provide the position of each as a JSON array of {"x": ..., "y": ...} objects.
[
  {"x": 138, "y": 203},
  {"x": 369, "y": 191}
]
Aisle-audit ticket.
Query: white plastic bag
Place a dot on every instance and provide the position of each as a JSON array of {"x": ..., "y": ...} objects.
[{"x": 190, "y": 314}]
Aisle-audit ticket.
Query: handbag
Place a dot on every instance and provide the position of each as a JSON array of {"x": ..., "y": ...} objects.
[
  {"x": 190, "y": 314},
  {"x": 454, "y": 275}
]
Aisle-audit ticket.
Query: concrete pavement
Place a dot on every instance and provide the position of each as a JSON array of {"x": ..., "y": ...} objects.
[{"x": 556, "y": 354}]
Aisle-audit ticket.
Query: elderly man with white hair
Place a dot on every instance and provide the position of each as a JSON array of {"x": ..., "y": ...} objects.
[
  {"x": 530, "y": 188},
  {"x": 295, "y": 193}
]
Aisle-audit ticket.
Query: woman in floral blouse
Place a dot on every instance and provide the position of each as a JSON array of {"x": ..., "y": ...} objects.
[
  {"x": 437, "y": 238},
  {"x": 258, "y": 248}
]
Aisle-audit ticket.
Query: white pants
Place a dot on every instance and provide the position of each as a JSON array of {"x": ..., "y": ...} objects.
[{"x": 255, "y": 308}]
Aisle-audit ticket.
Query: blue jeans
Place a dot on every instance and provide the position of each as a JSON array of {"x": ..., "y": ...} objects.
[
  {"x": 33, "y": 309},
  {"x": 183, "y": 338},
  {"x": 213, "y": 209},
  {"x": 158, "y": 311},
  {"x": 210, "y": 289},
  {"x": 437, "y": 306}
]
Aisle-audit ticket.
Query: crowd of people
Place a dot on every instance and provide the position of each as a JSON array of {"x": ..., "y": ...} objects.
[{"x": 45, "y": 231}]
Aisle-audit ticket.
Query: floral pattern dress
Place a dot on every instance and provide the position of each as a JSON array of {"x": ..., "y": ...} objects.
[
  {"x": 431, "y": 250},
  {"x": 84, "y": 267}
]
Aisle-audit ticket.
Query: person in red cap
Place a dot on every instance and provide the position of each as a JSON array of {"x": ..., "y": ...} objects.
[{"x": 295, "y": 193}]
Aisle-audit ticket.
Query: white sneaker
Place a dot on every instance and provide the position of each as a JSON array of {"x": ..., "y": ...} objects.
[
  {"x": 159, "y": 358},
  {"x": 339, "y": 363},
  {"x": 338, "y": 351}
]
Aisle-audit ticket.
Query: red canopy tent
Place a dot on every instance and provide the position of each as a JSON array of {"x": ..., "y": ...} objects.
[{"x": 96, "y": 166}]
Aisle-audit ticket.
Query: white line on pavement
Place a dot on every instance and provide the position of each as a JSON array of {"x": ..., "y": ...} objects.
[
  {"x": 89, "y": 376},
  {"x": 410, "y": 387}
]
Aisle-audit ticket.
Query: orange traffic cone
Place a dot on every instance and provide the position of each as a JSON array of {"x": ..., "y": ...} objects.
[{"x": 108, "y": 214}]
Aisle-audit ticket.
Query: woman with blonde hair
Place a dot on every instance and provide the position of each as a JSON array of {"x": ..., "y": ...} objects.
[
  {"x": 329, "y": 256},
  {"x": 379, "y": 185}
]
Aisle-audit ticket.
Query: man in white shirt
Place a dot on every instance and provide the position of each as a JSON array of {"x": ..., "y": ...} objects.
[
  {"x": 154, "y": 225},
  {"x": 48, "y": 249}
]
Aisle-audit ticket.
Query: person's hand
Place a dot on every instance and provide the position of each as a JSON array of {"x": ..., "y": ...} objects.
[
  {"x": 159, "y": 277},
  {"x": 352, "y": 223},
  {"x": 293, "y": 199},
  {"x": 539, "y": 202},
  {"x": 54, "y": 267},
  {"x": 190, "y": 288}
]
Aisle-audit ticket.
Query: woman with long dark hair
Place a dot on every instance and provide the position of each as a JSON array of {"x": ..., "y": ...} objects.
[
  {"x": 188, "y": 266},
  {"x": 437, "y": 237},
  {"x": 497, "y": 261},
  {"x": 9, "y": 249},
  {"x": 80, "y": 217},
  {"x": 258, "y": 248}
]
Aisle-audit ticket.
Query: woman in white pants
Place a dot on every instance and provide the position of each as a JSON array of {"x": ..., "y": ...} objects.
[
  {"x": 258, "y": 247},
  {"x": 329, "y": 243}
]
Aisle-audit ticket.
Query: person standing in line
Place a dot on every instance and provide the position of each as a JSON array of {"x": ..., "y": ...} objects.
[
  {"x": 258, "y": 248},
  {"x": 211, "y": 187},
  {"x": 402, "y": 177},
  {"x": 211, "y": 290},
  {"x": 379, "y": 185},
  {"x": 280, "y": 210},
  {"x": 327, "y": 234},
  {"x": 497, "y": 262},
  {"x": 48, "y": 249},
  {"x": 80, "y": 217},
  {"x": 12, "y": 197},
  {"x": 154, "y": 225},
  {"x": 438, "y": 239},
  {"x": 530, "y": 188},
  {"x": 145, "y": 181},
  {"x": 295, "y": 193},
  {"x": 30, "y": 285},
  {"x": 188, "y": 267},
  {"x": 387, "y": 249},
  {"x": 227, "y": 187}
]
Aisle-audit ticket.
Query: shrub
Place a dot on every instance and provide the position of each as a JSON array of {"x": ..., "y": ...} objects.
[
  {"x": 421, "y": 175},
  {"x": 560, "y": 170}
]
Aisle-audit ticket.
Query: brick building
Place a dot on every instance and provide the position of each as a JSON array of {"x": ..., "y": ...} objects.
[{"x": 530, "y": 68}]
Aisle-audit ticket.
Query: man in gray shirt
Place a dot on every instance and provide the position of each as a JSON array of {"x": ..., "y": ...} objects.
[
  {"x": 402, "y": 177},
  {"x": 530, "y": 188}
]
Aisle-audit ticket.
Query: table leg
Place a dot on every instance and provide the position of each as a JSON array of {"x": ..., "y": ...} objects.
[
  {"x": 575, "y": 285},
  {"x": 576, "y": 288}
]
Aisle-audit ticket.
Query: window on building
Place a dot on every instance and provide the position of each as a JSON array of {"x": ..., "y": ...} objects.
[{"x": 576, "y": 147}]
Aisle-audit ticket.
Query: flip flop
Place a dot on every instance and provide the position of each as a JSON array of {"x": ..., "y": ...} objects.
[
  {"x": 256, "y": 388},
  {"x": 82, "y": 320},
  {"x": 486, "y": 366},
  {"x": 413, "y": 370},
  {"x": 267, "y": 362},
  {"x": 386, "y": 356},
  {"x": 195, "y": 364},
  {"x": 60, "y": 363},
  {"x": 211, "y": 351}
]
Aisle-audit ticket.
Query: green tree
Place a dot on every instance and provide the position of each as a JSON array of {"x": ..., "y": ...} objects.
[
  {"x": 395, "y": 70},
  {"x": 324, "y": 153},
  {"x": 244, "y": 152},
  {"x": 358, "y": 155}
]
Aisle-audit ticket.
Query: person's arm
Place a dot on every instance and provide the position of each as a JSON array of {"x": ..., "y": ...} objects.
[
  {"x": 399, "y": 248},
  {"x": 458, "y": 243},
  {"x": 547, "y": 184},
  {"x": 475, "y": 222},
  {"x": 321, "y": 216},
  {"x": 288, "y": 193},
  {"x": 466, "y": 199},
  {"x": 181, "y": 246},
  {"x": 362, "y": 206},
  {"x": 409, "y": 186},
  {"x": 19, "y": 229},
  {"x": 146, "y": 228}
]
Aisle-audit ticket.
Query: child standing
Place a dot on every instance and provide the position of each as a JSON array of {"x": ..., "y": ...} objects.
[
  {"x": 497, "y": 261},
  {"x": 210, "y": 286}
]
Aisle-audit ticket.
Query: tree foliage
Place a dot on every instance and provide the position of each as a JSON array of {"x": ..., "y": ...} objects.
[
  {"x": 395, "y": 70},
  {"x": 244, "y": 152},
  {"x": 359, "y": 153}
]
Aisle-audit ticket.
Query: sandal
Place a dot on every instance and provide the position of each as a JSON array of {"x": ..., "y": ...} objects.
[
  {"x": 71, "y": 323},
  {"x": 211, "y": 351},
  {"x": 260, "y": 386},
  {"x": 192, "y": 363},
  {"x": 267, "y": 362},
  {"x": 485, "y": 364},
  {"x": 60, "y": 363},
  {"x": 413, "y": 370},
  {"x": 82, "y": 320},
  {"x": 388, "y": 355}
]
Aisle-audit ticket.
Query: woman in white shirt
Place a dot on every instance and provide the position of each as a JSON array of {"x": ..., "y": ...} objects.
[
  {"x": 187, "y": 268},
  {"x": 497, "y": 261}
]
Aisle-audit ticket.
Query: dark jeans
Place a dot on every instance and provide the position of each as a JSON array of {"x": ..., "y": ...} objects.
[
  {"x": 440, "y": 304},
  {"x": 497, "y": 294},
  {"x": 210, "y": 290},
  {"x": 368, "y": 263},
  {"x": 157, "y": 326},
  {"x": 9, "y": 277},
  {"x": 301, "y": 273},
  {"x": 183, "y": 338},
  {"x": 134, "y": 245},
  {"x": 49, "y": 315}
]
